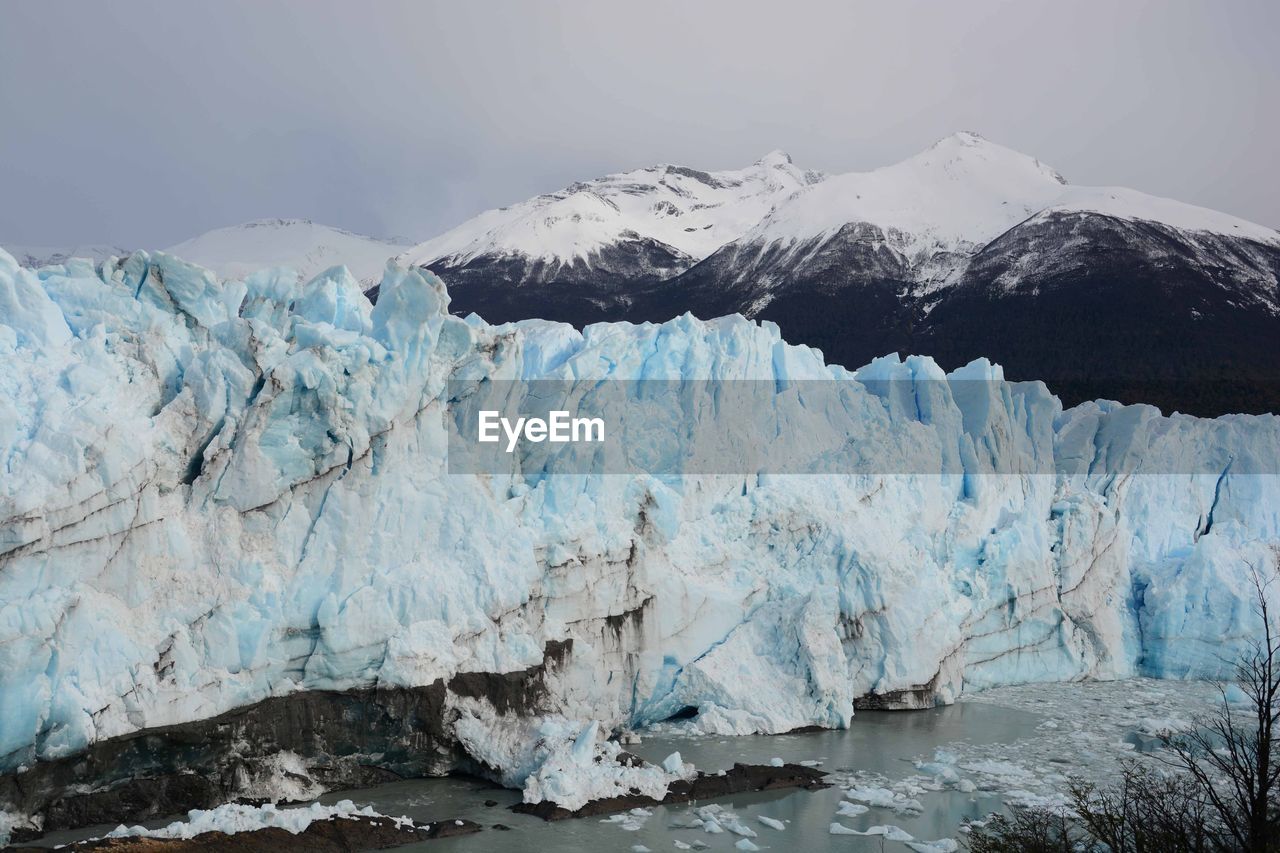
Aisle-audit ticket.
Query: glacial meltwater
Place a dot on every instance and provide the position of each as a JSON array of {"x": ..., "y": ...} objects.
[{"x": 926, "y": 773}]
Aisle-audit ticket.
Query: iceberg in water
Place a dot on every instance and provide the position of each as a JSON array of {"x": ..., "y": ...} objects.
[{"x": 216, "y": 492}]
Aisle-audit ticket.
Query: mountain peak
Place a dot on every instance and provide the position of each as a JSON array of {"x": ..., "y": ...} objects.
[
  {"x": 966, "y": 150},
  {"x": 276, "y": 222},
  {"x": 776, "y": 157},
  {"x": 966, "y": 138},
  {"x": 967, "y": 143}
]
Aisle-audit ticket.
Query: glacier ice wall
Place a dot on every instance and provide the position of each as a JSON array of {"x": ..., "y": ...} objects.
[{"x": 219, "y": 491}]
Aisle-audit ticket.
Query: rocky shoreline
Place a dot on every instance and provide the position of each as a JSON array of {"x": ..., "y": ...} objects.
[{"x": 382, "y": 832}]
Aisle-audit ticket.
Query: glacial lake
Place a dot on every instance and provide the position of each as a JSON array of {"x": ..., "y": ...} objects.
[{"x": 958, "y": 763}]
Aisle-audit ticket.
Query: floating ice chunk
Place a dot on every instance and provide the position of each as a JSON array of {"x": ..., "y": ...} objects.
[
  {"x": 942, "y": 845},
  {"x": 942, "y": 768},
  {"x": 773, "y": 823},
  {"x": 776, "y": 762},
  {"x": 890, "y": 832},
  {"x": 848, "y": 809},
  {"x": 884, "y": 798},
  {"x": 630, "y": 821},
  {"x": 1163, "y": 726},
  {"x": 745, "y": 844},
  {"x": 723, "y": 819},
  {"x": 1032, "y": 800},
  {"x": 1002, "y": 773}
]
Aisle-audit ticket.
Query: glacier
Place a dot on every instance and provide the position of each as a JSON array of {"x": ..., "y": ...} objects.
[{"x": 220, "y": 492}]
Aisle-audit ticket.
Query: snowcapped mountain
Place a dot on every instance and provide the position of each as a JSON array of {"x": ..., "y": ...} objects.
[
  {"x": 237, "y": 555},
  {"x": 305, "y": 246},
  {"x": 584, "y": 248},
  {"x": 965, "y": 250}
]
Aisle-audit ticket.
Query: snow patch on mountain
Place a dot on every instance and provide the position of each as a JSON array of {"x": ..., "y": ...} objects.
[
  {"x": 299, "y": 244},
  {"x": 963, "y": 192},
  {"x": 1123, "y": 203}
]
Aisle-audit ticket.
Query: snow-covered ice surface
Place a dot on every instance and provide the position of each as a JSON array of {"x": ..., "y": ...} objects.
[
  {"x": 219, "y": 491},
  {"x": 234, "y": 818}
]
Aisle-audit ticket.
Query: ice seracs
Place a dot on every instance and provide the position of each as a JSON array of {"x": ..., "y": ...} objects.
[{"x": 34, "y": 257}]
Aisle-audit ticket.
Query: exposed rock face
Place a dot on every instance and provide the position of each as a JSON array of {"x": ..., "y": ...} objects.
[
  {"x": 1132, "y": 311},
  {"x": 848, "y": 295},
  {"x": 331, "y": 740},
  {"x": 504, "y": 288}
]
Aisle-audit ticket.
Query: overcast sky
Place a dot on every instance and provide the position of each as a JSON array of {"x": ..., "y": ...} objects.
[{"x": 144, "y": 123}]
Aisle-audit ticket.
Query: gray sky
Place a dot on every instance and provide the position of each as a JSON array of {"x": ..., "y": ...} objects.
[{"x": 143, "y": 123}]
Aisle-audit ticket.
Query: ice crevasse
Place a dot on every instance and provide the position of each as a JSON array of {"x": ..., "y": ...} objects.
[{"x": 214, "y": 492}]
